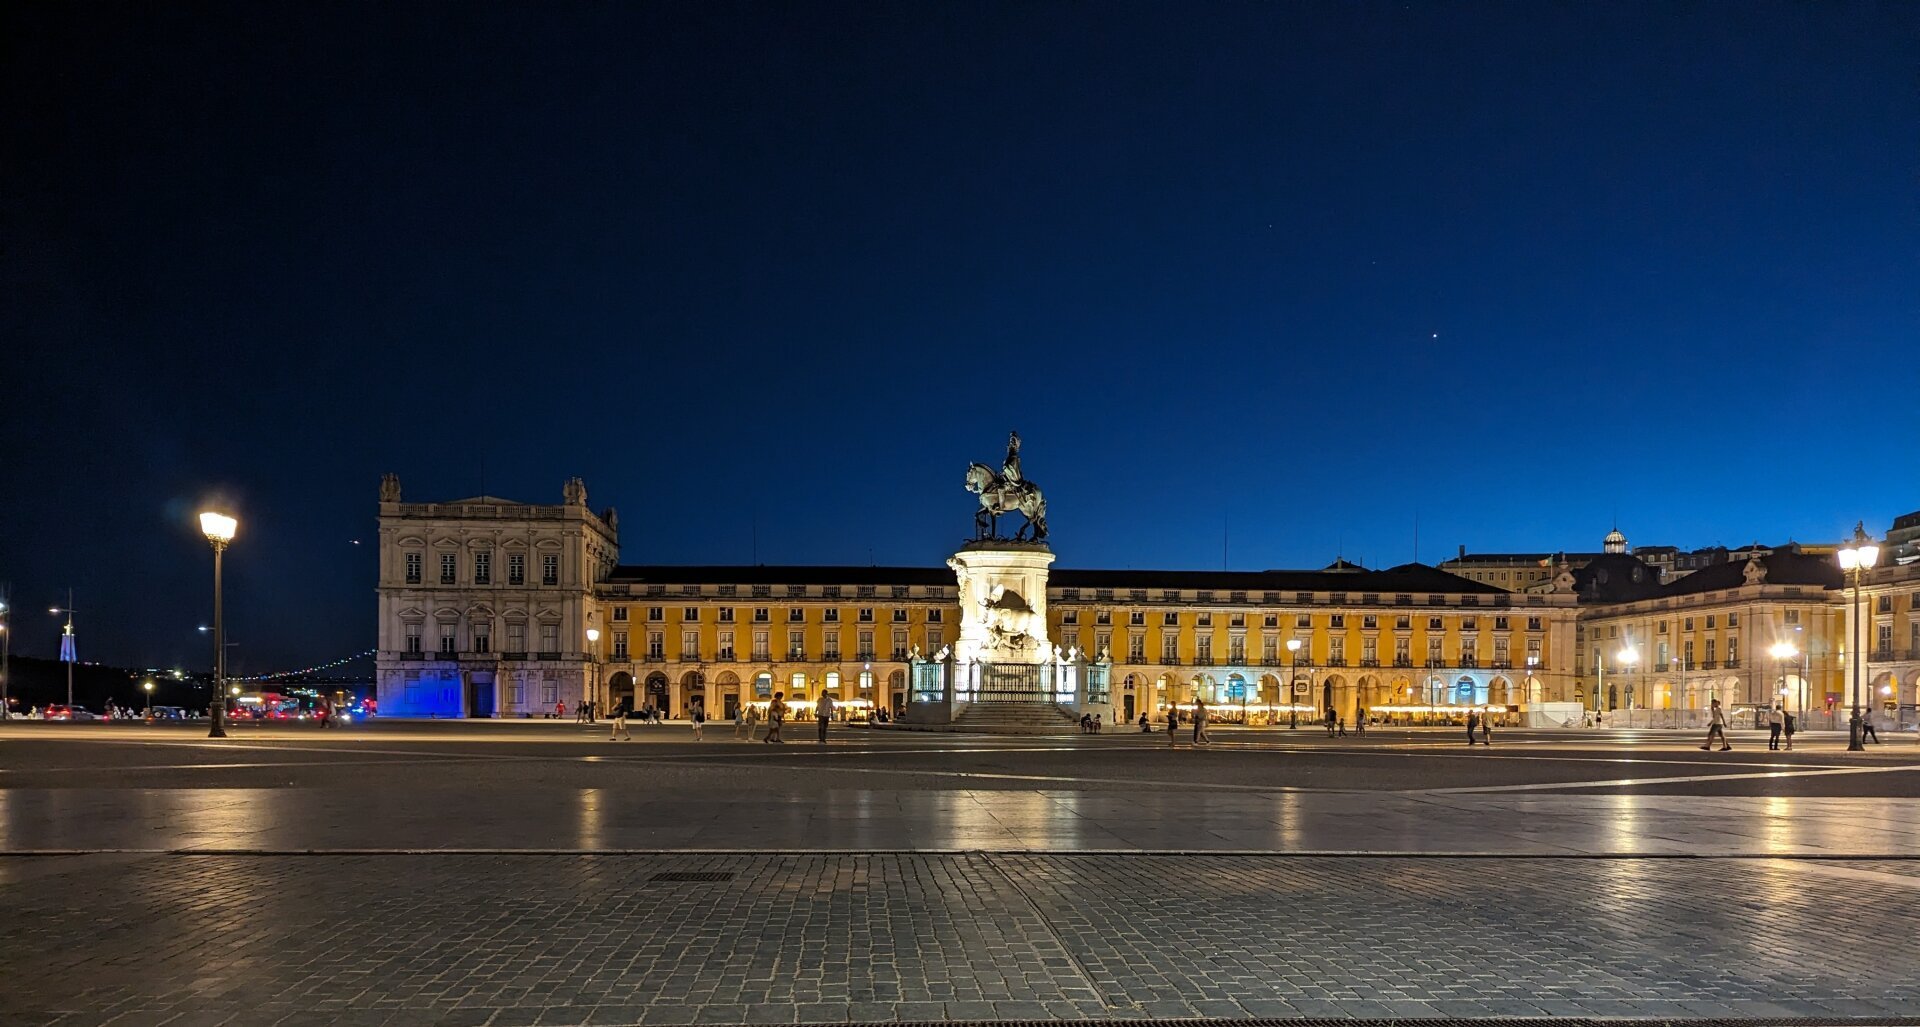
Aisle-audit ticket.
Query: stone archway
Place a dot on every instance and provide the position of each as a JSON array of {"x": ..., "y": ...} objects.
[
  {"x": 1500, "y": 691},
  {"x": 727, "y": 693},
  {"x": 693, "y": 694},
  {"x": 659, "y": 694},
  {"x": 1270, "y": 688},
  {"x": 897, "y": 689},
  {"x": 620, "y": 690}
]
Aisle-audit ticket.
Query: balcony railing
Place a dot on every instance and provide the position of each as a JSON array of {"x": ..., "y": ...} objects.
[
  {"x": 654, "y": 658},
  {"x": 797, "y": 654},
  {"x": 1369, "y": 661},
  {"x": 1688, "y": 665},
  {"x": 690, "y": 655},
  {"x": 762, "y": 656},
  {"x": 899, "y": 656},
  {"x": 1731, "y": 664},
  {"x": 865, "y": 655},
  {"x": 1880, "y": 656},
  {"x": 546, "y": 656},
  {"x": 1203, "y": 661},
  {"x": 1403, "y": 661},
  {"x": 1336, "y": 661},
  {"x": 1170, "y": 660},
  {"x": 1709, "y": 664},
  {"x": 514, "y": 654},
  {"x": 1502, "y": 664},
  {"x": 1469, "y": 661}
]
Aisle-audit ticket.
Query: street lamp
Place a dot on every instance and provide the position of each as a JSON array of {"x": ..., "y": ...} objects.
[
  {"x": 1782, "y": 653},
  {"x": 148, "y": 685},
  {"x": 1861, "y": 555},
  {"x": 6, "y": 646},
  {"x": 219, "y": 530},
  {"x": 1629, "y": 656},
  {"x": 1293, "y": 711},
  {"x": 67, "y": 655},
  {"x": 593, "y": 653}
]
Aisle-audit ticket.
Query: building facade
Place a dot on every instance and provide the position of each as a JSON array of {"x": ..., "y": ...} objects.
[{"x": 495, "y": 608}]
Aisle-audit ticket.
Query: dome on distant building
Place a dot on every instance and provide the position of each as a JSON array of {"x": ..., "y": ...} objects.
[{"x": 1615, "y": 543}]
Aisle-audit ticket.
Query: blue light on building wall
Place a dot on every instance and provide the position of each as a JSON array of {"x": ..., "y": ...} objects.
[{"x": 435, "y": 694}]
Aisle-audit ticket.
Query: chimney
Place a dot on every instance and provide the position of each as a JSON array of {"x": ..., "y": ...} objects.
[{"x": 1463, "y": 551}]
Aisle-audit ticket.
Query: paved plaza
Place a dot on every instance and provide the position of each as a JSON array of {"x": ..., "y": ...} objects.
[{"x": 521, "y": 874}]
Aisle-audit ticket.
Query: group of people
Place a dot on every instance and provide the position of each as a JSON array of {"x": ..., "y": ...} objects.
[
  {"x": 1337, "y": 724},
  {"x": 1090, "y": 723},
  {"x": 776, "y": 716}
]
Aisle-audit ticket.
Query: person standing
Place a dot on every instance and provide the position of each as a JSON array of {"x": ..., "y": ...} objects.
[
  {"x": 560, "y": 710},
  {"x": 776, "y": 712},
  {"x": 1716, "y": 727},
  {"x": 1360, "y": 721},
  {"x": 823, "y": 712},
  {"x": 1200, "y": 722},
  {"x": 1486, "y": 730},
  {"x": 698, "y": 716},
  {"x": 619, "y": 723},
  {"x": 1173, "y": 723},
  {"x": 1774, "y": 724},
  {"x": 1787, "y": 716},
  {"x": 742, "y": 720},
  {"x": 1473, "y": 725}
]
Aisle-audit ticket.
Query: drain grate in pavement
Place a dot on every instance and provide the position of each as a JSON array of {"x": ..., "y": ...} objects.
[
  {"x": 692, "y": 875},
  {"x": 1656, "y": 1021}
]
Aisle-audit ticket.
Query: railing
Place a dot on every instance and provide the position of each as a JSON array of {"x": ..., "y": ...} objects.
[
  {"x": 723, "y": 656},
  {"x": 654, "y": 658},
  {"x": 1709, "y": 664},
  {"x": 762, "y": 656},
  {"x": 1403, "y": 661},
  {"x": 1731, "y": 664},
  {"x": 1204, "y": 661},
  {"x": 1880, "y": 656},
  {"x": 899, "y": 655},
  {"x": 1500, "y": 664},
  {"x": 797, "y": 654},
  {"x": 546, "y": 656},
  {"x": 514, "y": 654},
  {"x": 1469, "y": 661},
  {"x": 690, "y": 655},
  {"x": 1336, "y": 661},
  {"x": 1688, "y": 665},
  {"x": 1169, "y": 660},
  {"x": 864, "y": 654},
  {"x": 1369, "y": 661}
]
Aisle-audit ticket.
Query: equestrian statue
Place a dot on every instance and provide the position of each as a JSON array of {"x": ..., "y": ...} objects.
[{"x": 1006, "y": 492}]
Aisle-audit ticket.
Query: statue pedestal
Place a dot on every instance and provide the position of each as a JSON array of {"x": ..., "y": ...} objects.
[{"x": 1003, "y": 602}]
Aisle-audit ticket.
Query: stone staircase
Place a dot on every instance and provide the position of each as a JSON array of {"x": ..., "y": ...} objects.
[{"x": 1016, "y": 718}]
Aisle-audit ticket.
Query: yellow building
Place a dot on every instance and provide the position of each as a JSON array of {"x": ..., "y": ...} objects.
[{"x": 1401, "y": 639}]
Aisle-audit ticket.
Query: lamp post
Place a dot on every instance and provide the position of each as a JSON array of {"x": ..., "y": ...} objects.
[
  {"x": 1293, "y": 711},
  {"x": 593, "y": 654},
  {"x": 219, "y": 530},
  {"x": 1782, "y": 652},
  {"x": 67, "y": 655},
  {"x": 147, "y": 685},
  {"x": 1628, "y": 656},
  {"x": 1861, "y": 555},
  {"x": 6, "y": 645}
]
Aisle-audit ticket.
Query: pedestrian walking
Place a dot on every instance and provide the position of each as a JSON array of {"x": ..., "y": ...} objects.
[
  {"x": 619, "y": 724},
  {"x": 1774, "y": 724},
  {"x": 823, "y": 712},
  {"x": 1486, "y": 730},
  {"x": 699, "y": 719},
  {"x": 1867, "y": 733},
  {"x": 1342, "y": 723},
  {"x": 776, "y": 713},
  {"x": 1200, "y": 722},
  {"x": 1360, "y": 721},
  {"x": 1173, "y": 722},
  {"x": 1716, "y": 727},
  {"x": 742, "y": 720},
  {"x": 1787, "y": 715},
  {"x": 560, "y": 710},
  {"x": 1473, "y": 725}
]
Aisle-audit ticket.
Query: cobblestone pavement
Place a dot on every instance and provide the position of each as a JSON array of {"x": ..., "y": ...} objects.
[{"x": 471, "y": 939}]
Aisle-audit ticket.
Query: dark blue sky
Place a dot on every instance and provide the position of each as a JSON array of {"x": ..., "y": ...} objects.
[{"x": 1304, "y": 271}]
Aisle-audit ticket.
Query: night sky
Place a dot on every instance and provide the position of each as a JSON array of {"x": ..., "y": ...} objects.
[{"x": 1295, "y": 274}]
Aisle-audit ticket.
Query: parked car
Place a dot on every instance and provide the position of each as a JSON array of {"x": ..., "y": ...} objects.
[
  {"x": 70, "y": 713},
  {"x": 169, "y": 713}
]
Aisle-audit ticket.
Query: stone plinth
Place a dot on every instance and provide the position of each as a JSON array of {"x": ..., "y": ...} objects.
[{"x": 1003, "y": 602}]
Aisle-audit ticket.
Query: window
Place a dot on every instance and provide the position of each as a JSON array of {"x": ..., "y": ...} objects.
[
  {"x": 1793, "y": 616},
  {"x": 516, "y": 637},
  {"x": 899, "y": 615},
  {"x": 1435, "y": 624},
  {"x": 796, "y": 615},
  {"x": 1169, "y": 649},
  {"x": 619, "y": 613},
  {"x": 448, "y": 563},
  {"x": 1205, "y": 620},
  {"x": 933, "y": 616},
  {"x": 413, "y": 568},
  {"x": 413, "y": 637},
  {"x": 1170, "y": 595},
  {"x": 761, "y": 652},
  {"x": 1370, "y": 650},
  {"x": 864, "y": 591},
  {"x": 1709, "y": 622},
  {"x": 619, "y": 645},
  {"x": 933, "y": 641},
  {"x": 1884, "y": 604},
  {"x": 1687, "y": 651},
  {"x": 447, "y": 637},
  {"x": 761, "y": 591},
  {"x": 830, "y": 591},
  {"x": 1070, "y": 617},
  {"x": 1886, "y": 637},
  {"x": 866, "y": 615},
  {"x": 1369, "y": 623},
  {"x": 1304, "y": 621},
  {"x": 550, "y": 569},
  {"x": 831, "y": 615},
  {"x": 1204, "y": 649},
  {"x": 483, "y": 637},
  {"x": 690, "y": 613},
  {"x": 1170, "y": 620},
  {"x": 656, "y": 645},
  {"x": 1709, "y": 652},
  {"x": 797, "y": 644},
  {"x": 483, "y": 568},
  {"x": 1468, "y": 657},
  {"x": 726, "y": 615},
  {"x": 1271, "y": 620},
  {"x": 1203, "y": 596},
  {"x": 1500, "y": 649},
  {"x": 1402, "y": 650},
  {"x": 1269, "y": 650},
  {"x": 729, "y": 591},
  {"x": 1733, "y": 621},
  {"x": 899, "y": 643},
  {"x": 1137, "y": 648},
  {"x": 1687, "y": 625},
  {"x": 1403, "y": 623},
  {"x": 656, "y": 613},
  {"x": 1433, "y": 650},
  {"x": 690, "y": 645},
  {"x": 1137, "y": 618},
  {"x": 1533, "y": 651},
  {"x": 1103, "y": 617},
  {"x": 1733, "y": 652},
  {"x": 866, "y": 644},
  {"x": 1337, "y": 649},
  {"x": 899, "y": 591},
  {"x": 1237, "y": 649},
  {"x": 1338, "y": 620},
  {"x": 516, "y": 568},
  {"x": 1499, "y": 624},
  {"x": 1660, "y": 655},
  {"x": 761, "y": 615},
  {"x": 1469, "y": 624},
  {"x": 1533, "y": 624}
]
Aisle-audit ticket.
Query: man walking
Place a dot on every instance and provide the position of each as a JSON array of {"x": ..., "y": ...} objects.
[
  {"x": 1716, "y": 727},
  {"x": 1473, "y": 725},
  {"x": 1867, "y": 733},
  {"x": 823, "y": 711},
  {"x": 1173, "y": 722},
  {"x": 1774, "y": 724},
  {"x": 619, "y": 723},
  {"x": 1200, "y": 722}
]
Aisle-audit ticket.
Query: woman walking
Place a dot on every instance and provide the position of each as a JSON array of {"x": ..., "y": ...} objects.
[
  {"x": 1788, "y": 726},
  {"x": 1716, "y": 727},
  {"x": 1200, "y": 722},
  {"x": 776, "y": 712}
]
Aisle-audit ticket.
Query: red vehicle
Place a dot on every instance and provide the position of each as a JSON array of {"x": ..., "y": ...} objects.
[{"x": 70, "y": 713}]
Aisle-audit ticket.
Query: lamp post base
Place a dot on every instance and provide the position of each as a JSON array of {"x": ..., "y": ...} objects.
[{"x": 1854, "y": 743}]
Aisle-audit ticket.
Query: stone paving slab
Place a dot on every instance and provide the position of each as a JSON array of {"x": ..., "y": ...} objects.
[{"x": 580, "y": 940}]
